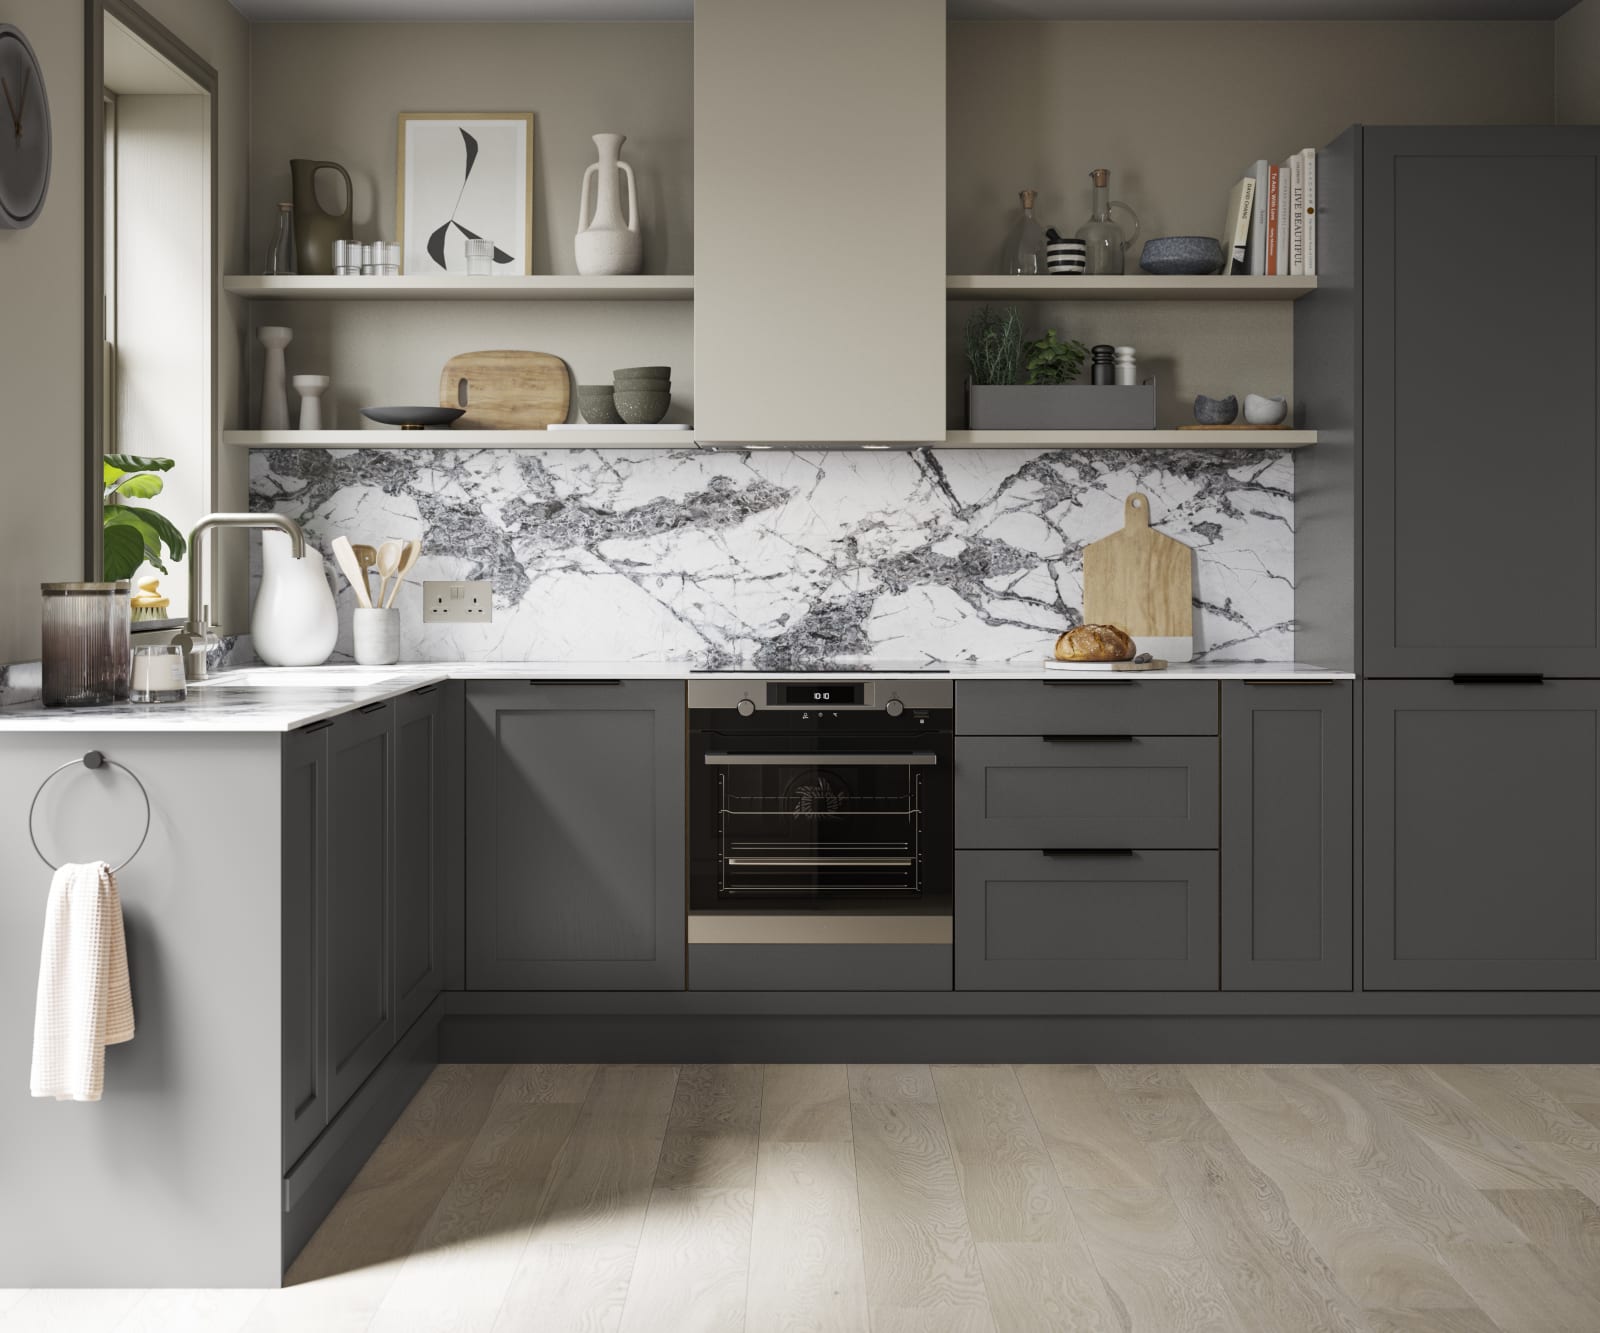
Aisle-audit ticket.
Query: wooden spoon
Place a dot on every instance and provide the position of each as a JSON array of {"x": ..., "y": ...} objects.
[
  {"x": 367, "y": 556},
  {"x": 408, "y": 557},
  {"x": 388, "y": 563},
  {"x": 351, "y": 568}
]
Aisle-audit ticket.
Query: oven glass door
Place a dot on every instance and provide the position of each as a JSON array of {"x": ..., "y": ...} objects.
[{"x": 845, "y": 827}]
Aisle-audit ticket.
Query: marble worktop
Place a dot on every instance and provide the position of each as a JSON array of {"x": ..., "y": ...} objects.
[{"x": 298, "y": 697}]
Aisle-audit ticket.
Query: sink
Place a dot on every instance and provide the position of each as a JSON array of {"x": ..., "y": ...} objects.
[{"x": 298, "y": 678}]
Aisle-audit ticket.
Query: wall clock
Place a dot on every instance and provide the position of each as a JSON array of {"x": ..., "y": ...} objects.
[{"x": 24, "y": 132}]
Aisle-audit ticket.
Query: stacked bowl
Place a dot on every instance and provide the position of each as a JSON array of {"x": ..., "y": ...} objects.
[{"x": 642, "y": 394}]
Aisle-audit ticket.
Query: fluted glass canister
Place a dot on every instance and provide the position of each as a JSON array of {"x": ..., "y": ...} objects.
[{"x": 86, "y": 643}]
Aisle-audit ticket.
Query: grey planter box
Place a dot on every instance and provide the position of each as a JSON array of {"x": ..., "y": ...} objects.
[{"x": 1061, "y": 407}]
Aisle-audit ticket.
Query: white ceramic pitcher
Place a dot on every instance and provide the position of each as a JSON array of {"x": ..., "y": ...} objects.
[
  {"x": 294, "y": 622},
  {"x": 604, "y": 243}
]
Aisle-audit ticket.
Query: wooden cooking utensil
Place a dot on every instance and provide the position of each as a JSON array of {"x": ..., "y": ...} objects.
[
  {"x": 506, "y": 390},
  {"x": 1142, "y": 582},
  {"x": 388, "y": 563},
  {"x": 408, "y": 557},
  {"x": 351, "y": 569},
  {"x": 367, "y": 558}
]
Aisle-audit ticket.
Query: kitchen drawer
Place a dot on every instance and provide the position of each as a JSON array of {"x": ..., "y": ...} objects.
[
  {"x": 1074, "y": 791},
  {"x": 1098, "y": 707},
  {"x": 1086, "y": 921}
]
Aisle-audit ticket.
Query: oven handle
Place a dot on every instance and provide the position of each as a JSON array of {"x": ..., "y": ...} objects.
[
  {"x": 819, "y": 861},
  {"x": 815, "y": 758}
]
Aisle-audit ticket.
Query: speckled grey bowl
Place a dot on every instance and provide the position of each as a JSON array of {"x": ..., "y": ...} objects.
[
  {"x": 650, "y": 384},
  {"x": 642, "y": 373},
  {"x": 1216, "y": 411},
  {"x": 1196, "y": 255},
  {"x": 596, "y": 403},
  {"x": 642, "y": 408}
]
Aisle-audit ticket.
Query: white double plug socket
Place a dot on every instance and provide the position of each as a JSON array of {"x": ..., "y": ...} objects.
[{"x": 466, "y": 602}]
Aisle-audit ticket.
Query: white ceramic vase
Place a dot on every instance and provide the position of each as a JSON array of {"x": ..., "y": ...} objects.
[
  {"x": 311, "y": 388},
  {"x": 605, "y": 244},
  {"x": 295, "y": 622},
  {"x": 274, "y": 386}
]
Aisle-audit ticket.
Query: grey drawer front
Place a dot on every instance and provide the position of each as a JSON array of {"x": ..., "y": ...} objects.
[
  {"x": 1032, "y": 792},
  {"x": 832, "y": 967},
  {"x": 1086, "y": 708},
  {"x": 1030, "y": 921}
]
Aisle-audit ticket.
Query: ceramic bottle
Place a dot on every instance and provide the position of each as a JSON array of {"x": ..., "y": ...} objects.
[
  {"x": 274, "y": 381},
  {"x": 605, "y": 244},
  {"x": 294, "y": 622}
]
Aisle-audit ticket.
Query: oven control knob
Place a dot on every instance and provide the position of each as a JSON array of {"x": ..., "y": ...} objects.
[
  {"x": 894, "y": 708},
  {"x": 746, "y": 707}
]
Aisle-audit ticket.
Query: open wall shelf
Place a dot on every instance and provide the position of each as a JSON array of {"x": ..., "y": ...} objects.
[
  {"x": 1126, "y": 287},
  {"x": 541, "y": 287}
]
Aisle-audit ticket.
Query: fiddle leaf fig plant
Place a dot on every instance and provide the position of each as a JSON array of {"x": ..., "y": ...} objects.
[
  {"x": 1051, "y": 361},
  {"x": 135, "y": 534}
]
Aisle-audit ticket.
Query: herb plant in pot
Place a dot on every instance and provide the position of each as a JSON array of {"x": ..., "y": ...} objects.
[{"x": 1049, "y": 400}]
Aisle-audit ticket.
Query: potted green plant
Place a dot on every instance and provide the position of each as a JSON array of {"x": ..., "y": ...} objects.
[
  {"x": 135, "y": 534},
  {"x": 1049, "y": 400}
]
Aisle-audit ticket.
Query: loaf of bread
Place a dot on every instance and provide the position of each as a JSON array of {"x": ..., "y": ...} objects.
[{"x": 1094, "y": 643}]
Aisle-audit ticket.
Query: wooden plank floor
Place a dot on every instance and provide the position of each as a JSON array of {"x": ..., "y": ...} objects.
[{"x": 909, "y": 1199}]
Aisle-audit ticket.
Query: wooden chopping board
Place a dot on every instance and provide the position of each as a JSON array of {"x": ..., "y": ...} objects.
[
  {"x": 506, "y": 390},
  {"x": 1140, "y": 580}
]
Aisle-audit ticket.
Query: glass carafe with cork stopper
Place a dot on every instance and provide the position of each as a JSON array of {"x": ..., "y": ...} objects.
[
  {"x": 1107, "y": 244},
  {"x": 1024, "y": 253}
]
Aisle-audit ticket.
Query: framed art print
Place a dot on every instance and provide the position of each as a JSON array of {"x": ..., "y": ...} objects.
[{"x": 465, "y": 175}]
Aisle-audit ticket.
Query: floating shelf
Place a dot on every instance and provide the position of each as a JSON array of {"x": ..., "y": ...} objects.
[
  {"x": 1129, "y": 439},
  {"x": 459, "y": 439},
  {"x": 542, "y": 287},
  {"x": 1126, "y": 287}
]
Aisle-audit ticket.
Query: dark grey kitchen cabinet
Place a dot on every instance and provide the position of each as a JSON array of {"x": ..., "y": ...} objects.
[
  {"x": 1481, "y": 490},
  {"x": 1086, "y": 791},
  {"x": 575, "y": 835},
  {"x": 1086, "y": 920},
  {"x": 1063, "y": 706},
  {"x": 1287, "y": 835},
  {"x": 419, "y": 872},
  {"x": 360, "y": 1003},
  {"x": 1479, "y": 849},
  {"x": 303, "y": 840}
]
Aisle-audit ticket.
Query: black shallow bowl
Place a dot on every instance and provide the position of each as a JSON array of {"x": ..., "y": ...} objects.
[{"x": 413, "y": 418}]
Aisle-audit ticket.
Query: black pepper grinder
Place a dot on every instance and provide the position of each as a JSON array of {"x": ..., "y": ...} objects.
[{"x": 1104, "y": 369}]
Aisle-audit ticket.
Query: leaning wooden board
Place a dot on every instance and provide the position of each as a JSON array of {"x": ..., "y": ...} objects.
[
  {"x": 506, "y": 390},
  {"x": 1141, "y": 581}
]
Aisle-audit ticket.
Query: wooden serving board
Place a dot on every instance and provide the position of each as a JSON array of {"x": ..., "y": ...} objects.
[
  {"x": 1055, "y": 664},
  {"x": 506, "y": 390},
  {"x": 1142, "y": 582},
  {"x": 1285, "y": 424}
]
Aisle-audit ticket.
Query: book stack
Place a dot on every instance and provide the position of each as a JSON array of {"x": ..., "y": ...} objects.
[{"x": 1271, "y": 227}]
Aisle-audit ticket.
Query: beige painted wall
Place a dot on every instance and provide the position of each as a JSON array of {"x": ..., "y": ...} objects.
[
  {"x": 1578, "y": 65},
  {"x": 41, "y": 276},
  {"x": 1178, "y": 110}
]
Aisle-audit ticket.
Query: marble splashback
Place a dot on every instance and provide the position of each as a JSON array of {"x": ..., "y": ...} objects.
[{"x": 775, "y": 558}]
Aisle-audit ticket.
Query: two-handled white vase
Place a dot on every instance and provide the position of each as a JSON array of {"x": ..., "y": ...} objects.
[
  {"x": 294, "y": 622},
  {"x": 605, "y": 244}
]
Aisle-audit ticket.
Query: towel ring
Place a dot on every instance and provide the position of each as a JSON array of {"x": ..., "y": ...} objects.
[{"x": 93, "y": 759}]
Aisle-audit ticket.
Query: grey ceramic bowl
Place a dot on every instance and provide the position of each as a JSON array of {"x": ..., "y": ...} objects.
[
  {"x": 651, "y": 385},
  {"x": 414, "y": 418},
  {"x": 1196, "y": 255},
  {"x": 1261, "y": 410},
  {"x": 642, "y": 408},
  {"x": 596, "y": 404},
  {"x": 643, "y": 373},
  {"x": 1216, "y": 411}
]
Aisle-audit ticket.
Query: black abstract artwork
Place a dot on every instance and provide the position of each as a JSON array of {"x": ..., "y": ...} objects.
[{"x": 437, "y": 237}]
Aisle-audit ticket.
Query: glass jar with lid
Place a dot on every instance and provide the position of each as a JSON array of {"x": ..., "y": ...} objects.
[{"x": 86, "y": 644}]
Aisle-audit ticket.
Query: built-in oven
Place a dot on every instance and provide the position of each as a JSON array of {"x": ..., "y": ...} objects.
[{"x": 827, "y": 795}]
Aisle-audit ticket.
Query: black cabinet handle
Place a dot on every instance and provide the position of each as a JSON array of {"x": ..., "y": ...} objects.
[
  {"x": 1497, "y": 678},
  {"x": 1089, "y": 737},
  {"x": 426, "y": 689},
  {"x": 316, "y": 726},
  {"x": 574, "y": 682},
  {"x": 373, "y": 708},
  {"x": 1054, "y": 680},
  {"x": 1086, "y": 851}
]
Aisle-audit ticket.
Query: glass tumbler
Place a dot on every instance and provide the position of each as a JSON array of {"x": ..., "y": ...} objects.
[
  {"x": 158, "y": 675},
  {"x": 480, "y": 259}
]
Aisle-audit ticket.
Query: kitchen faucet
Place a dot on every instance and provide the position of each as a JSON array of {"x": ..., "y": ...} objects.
[{"x": 193, "y": 639}]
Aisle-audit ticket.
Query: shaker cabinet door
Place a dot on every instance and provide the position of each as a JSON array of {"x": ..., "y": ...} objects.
[
  {"x": 1481, "y": 529},
  {"x": 418, "y": 862},
  {"x": 361, "y": 1026},
  {"x": 1288, "y": 792},
  {"x": 305, "y": 897},
  {"x": 575, "y": 836},
  {"x": 1480, "y": 863}
]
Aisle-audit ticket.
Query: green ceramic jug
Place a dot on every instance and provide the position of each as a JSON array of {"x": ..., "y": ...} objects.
[{"x": 316, "y": 229}]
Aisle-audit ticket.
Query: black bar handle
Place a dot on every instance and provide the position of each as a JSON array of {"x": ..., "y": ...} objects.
[
  {"x": 425, "y": 689},
  {"x": 373, "y": 708},
  {"x": 1086, "y": 851},
  {"x": 564, "y": 681},
  {"x": 1066, "y": 678},
  {"x": 1086, "y": 736},
  {"x": 1497, "y": 678},
  {"x": 316, "y": 726}
]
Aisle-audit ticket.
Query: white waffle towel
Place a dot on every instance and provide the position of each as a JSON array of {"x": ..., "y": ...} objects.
[{"x": 84, "y": 1003}]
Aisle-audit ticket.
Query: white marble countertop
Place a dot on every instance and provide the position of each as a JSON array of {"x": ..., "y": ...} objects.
[{"x": 238, "y": 701}]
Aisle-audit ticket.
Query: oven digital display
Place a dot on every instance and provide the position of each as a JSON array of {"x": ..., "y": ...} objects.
[{"x": 827, "y": 694}]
